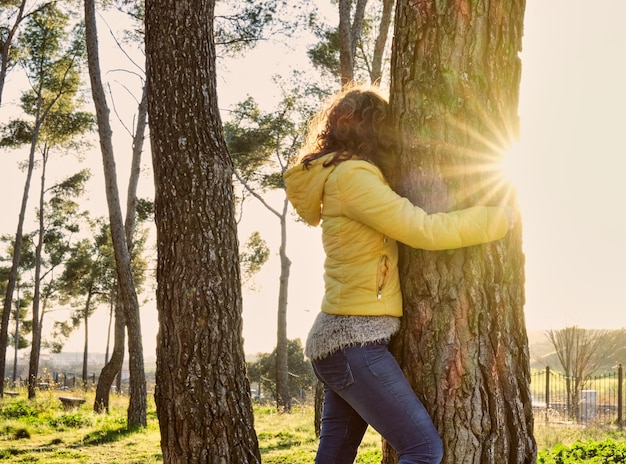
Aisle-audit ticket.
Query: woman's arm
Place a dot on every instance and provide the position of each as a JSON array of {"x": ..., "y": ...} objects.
[{"x": 367, "y": 198}]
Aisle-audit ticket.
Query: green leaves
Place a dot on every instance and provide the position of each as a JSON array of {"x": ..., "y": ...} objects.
[
  {"x": 254, "y": 255},
  {"x": 585, "y": 452}
]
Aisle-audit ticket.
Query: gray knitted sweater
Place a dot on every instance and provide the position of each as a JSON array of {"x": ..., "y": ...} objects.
[{"x": 331, "y": 333}]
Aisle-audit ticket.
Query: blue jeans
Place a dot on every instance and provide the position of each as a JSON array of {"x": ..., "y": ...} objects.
[{"x": 364, "y": 385}]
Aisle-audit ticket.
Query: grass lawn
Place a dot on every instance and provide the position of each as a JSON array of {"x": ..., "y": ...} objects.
[{"x": 41, "y": 431}]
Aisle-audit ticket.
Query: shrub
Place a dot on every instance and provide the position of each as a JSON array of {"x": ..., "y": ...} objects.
[
  {"x": 74, "y": 421},
  {"x": 18, "y": 410},
  {"x": 585, "y": 452},
  {"x": 21, "y": 433}
]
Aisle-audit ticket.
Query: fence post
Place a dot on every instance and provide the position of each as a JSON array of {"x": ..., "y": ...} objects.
[
  {"x": 547, "y": 391},
  {"x": 620, "y": 394}
]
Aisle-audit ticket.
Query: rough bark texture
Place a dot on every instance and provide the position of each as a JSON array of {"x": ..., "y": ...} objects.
[
  {"x": 128, "y": 296},
  {"x": 202, "y": 394},
  {"x": 463, "y": 345}
]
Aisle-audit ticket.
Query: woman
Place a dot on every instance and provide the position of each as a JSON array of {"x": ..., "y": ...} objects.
[{"x": 340, "y": 183}]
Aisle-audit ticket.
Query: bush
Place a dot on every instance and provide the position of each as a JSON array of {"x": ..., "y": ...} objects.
[
  {"x": 585, "y": 452},
  {"x": 75, "y": 421},
  {"x": 18, "y": 410}
]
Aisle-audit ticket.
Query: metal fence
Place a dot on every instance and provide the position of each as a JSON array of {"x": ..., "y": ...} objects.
[{"x": 598, "y": 400}]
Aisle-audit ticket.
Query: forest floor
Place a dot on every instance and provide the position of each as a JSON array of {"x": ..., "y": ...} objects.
[{"x": 43, "y": 431}]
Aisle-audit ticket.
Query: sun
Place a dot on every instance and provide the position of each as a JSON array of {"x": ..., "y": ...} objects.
[
  {"x": 514, "y": 170},
  {"x": 512, "y": 164}
]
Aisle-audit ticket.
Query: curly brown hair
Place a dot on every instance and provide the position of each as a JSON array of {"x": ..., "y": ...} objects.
[{"x": 355, "y": 124}]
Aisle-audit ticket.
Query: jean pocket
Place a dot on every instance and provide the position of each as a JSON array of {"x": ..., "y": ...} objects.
[{"x": 334, "y": 370}]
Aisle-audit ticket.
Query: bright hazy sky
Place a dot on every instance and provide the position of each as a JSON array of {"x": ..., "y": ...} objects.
[{"x": 570, "y": 180}]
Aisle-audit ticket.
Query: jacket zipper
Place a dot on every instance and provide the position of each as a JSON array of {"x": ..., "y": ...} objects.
[{"x": 383, "y": 271}]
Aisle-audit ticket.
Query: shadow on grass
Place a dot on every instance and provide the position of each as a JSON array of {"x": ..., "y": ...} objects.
[
  {"x": 8, "y": 453},
  {"x": 281, "y": 441},
  {"x": 13, "y": 452},
  {"x": 108, "y": 435}
]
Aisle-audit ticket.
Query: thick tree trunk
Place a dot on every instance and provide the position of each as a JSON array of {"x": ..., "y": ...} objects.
[
  {"x": 202, "y": 394},
  {"x": 463, "y": 346},
  {"x": 128, "y": 296}
]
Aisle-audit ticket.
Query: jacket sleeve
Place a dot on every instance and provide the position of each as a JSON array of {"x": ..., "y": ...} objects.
[{"x": 367, "y": 198}]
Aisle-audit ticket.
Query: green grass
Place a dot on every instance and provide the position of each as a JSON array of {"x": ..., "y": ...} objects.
[
  {"x": 290, "y": 438},
  {"x": 41, "y": 431}
]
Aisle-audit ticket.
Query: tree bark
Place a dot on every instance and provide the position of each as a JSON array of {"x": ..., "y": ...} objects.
[
  {"x": 463, "y": 345},
  {"x": 202, "y": 394},
  {"x": 110, "y": 370},
  {"x": 128, "y": 296},
  {"x": 114, "y": 366},
  {"x": 376, "y": 73},
  {"x": 349, "y": 35}
]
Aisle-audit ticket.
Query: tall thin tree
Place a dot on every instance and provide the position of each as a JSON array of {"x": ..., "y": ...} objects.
[
  {"x": 51, "y": 66},
  {"x": 128, "y": 296},
  {"x": 463, "y": 346},
  {"x": 349, "y": 35},
  {"x": 262, "y": 147}
]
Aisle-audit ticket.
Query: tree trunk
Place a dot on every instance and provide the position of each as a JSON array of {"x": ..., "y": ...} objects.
[
  {"x": 16, "y": 338},
  {"x": 108, "y": 345},
  {"x": 17, "y": 251},
  {"x": 86, "y": 341},
  {"x": 376, "y": 73},
  {"x": 135, "y": 169},
  {"x": 128, "y": 296},
  {"x": 463, "y": 345},
  {"x": 202, "y": 393},
  {"x": 33, "y": 364},
  {"x": 7, "y": 43},
  {"x": 349, "y": 35},
  {"x": 113, "y": 367},
  {"x": 108, "y": 373},
  {"x": 283, "y": 396},
  {"x": 319, "y": 407}
]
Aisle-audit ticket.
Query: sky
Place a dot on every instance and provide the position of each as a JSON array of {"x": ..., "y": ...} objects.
[
  {"x": 569, "y": 172},
  {"x": 571, "y": 178}
]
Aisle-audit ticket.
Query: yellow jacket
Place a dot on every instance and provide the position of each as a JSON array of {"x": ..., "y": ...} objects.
[{"x": 362, "y": 218}]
